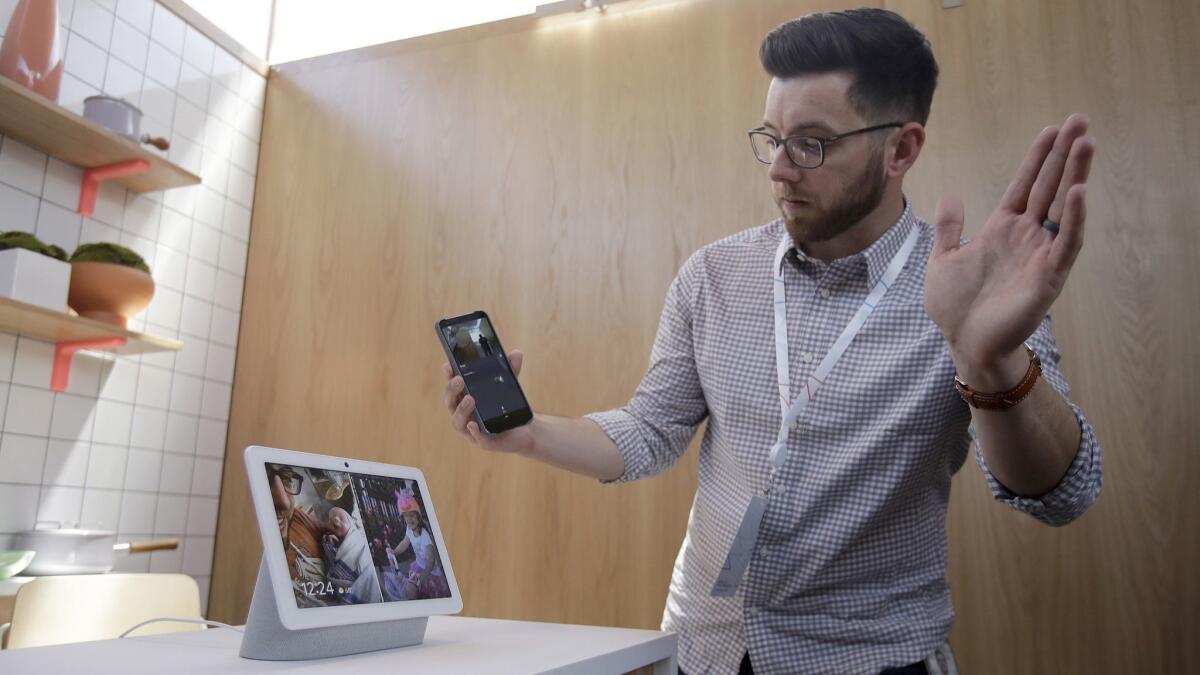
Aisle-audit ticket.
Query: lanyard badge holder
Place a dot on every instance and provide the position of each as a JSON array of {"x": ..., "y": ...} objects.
[{"x": 738, "y": 557}]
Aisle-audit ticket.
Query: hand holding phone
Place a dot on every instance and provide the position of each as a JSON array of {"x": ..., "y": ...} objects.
[
  {"x": 488, "y": 380},
  {"x": 574, "y": 444},
  {"x": 462, "y": 415}
]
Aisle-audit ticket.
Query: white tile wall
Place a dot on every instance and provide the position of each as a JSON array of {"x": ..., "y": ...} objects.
[
  {"x": 66, "y": 464},
  {"x": 137, "y": 13},
  {"x": 167, "y": 29},
  {"x": 22, "y": 166},
  {"x": 136, "y": 443}
]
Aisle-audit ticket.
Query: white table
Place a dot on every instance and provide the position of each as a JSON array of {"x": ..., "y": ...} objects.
[{"x": 452, "y": 645}]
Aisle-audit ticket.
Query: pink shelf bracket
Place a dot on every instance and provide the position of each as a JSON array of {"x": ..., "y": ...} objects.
[
  {"x": 93, "y": 176},
  {"x": 63, "y": 351}
]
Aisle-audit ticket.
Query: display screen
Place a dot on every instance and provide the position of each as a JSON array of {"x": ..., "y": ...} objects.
[
  {"x": 352, "y": 538},
  {"x": 484, "y": 368}
]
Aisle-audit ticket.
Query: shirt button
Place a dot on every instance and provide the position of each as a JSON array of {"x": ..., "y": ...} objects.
[
  {"x": 807, "y": 356},
  {"x": 825, "y": 293},
  {"x": 763, "y": 552}
]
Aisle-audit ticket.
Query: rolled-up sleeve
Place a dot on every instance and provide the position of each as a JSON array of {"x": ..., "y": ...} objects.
[
  {"x": 653, "y": 430},
  {"x": 1081, "y": 484}
]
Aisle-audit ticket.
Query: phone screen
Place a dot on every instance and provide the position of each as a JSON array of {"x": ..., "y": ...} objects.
[{"x": 472, "y": 343}]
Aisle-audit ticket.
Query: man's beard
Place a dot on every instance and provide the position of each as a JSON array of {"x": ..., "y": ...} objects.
[{"x": 858, "y": 199}]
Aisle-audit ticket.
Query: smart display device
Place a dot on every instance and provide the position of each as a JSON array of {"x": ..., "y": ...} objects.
[{"x": 348, "y": 546}]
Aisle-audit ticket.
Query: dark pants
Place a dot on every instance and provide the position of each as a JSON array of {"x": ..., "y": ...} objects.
[{"x": 917, "y": 668}]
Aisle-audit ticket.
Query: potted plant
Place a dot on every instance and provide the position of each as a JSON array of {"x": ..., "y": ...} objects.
[
  {"x": 109, "y": 283},
  {"x": 32, "y": 271}
]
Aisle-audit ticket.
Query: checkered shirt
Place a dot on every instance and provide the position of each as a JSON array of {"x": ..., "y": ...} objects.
[{"x": 848, "y": 574}]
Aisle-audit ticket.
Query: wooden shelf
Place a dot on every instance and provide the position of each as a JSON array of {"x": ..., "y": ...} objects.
[
  {"x": 60, "y": 327},
  {"x": 42, "y": 123}
]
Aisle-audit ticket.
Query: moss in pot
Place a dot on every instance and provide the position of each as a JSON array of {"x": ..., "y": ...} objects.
[
  {"x": 104, "y": 252},
  {"x": 25, "y": 240},
  {"x": 109, "y": 283}
]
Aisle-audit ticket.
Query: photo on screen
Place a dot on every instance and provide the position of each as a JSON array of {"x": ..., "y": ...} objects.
[
  {"x": 326, "y": 548},
  {"x": 471, "y": 341},
  {"x": 402, "y": 545},
  {"x": 353, "y": 539}
]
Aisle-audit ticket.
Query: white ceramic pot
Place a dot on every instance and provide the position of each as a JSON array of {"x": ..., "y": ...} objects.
[{"x": 34, "y": 278}]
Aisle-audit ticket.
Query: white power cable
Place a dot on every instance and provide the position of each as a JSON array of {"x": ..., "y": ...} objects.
[{"x": 203, "y": 622}]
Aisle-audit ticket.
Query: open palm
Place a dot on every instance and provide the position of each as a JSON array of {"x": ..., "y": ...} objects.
[{"x": 989, "y": 295}]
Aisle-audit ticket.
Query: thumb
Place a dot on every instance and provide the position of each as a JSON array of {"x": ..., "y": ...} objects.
[
  {"x": 947, "y": 224},
  {"x": 516, "y": 359}
]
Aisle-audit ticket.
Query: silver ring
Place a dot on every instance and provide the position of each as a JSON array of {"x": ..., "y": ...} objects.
[{"x": 1050, "y": 225}]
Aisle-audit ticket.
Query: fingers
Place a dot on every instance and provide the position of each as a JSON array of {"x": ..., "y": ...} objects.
[
  {"x": 947, "y": 224},
  {"x": 475, "y": 434},
  {"x": 1069, "y": 241},
  {"x": 461, "y": 406},
  {"x": 1079, "y": 165},
  {"x": 452, "y": 393},
  {"x": 491, "y": 443},
  {"x": 462, "y": 414},
  {"x": 1017, "y": 195},
  {"x": 1050, "y": 175}
]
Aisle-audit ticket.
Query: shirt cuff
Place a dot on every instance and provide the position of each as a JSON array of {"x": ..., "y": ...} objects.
[
  {"x": 1073, "y": 494},
  {"x": 623, "y": 429}
]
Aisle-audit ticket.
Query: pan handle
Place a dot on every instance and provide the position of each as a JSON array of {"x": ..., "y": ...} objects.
[
  {"x": 147, "y": 546},
  {"x": 156, "y": 141}
]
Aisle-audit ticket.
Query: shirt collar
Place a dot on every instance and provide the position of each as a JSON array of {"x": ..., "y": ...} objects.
[{"x": 876, "y": 257}]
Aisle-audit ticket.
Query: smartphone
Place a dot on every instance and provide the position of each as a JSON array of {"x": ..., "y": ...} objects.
[{"x": 475, "y": 353}]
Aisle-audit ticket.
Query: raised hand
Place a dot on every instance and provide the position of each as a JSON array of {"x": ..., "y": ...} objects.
[{"x": 989, "y": 296}]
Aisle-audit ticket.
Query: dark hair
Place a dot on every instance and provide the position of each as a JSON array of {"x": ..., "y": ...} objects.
[{"x": 890, "y": 61}]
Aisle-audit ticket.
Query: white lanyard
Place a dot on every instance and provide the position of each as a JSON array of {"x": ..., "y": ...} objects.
[
  {"x": 792, "y": 412},
  {"x": 730, "y": 575}
]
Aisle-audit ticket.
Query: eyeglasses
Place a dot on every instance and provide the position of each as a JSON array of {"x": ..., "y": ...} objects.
[
  {"x": 291, "y": 480},
  {"x": 806, "y": 152}
]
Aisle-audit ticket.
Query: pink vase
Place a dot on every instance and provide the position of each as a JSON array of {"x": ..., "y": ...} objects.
[{"x": 32, "y": 51}]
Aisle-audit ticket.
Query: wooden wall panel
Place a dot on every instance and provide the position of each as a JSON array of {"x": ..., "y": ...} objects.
[
  {"x": 557, "y": 173},
  {"x": 1110, "y": 593}
]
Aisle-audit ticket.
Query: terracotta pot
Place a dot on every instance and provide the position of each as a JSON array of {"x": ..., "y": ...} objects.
[
  {"x": 108, "y": 292},
  {"x": 32, "y": 51}
]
